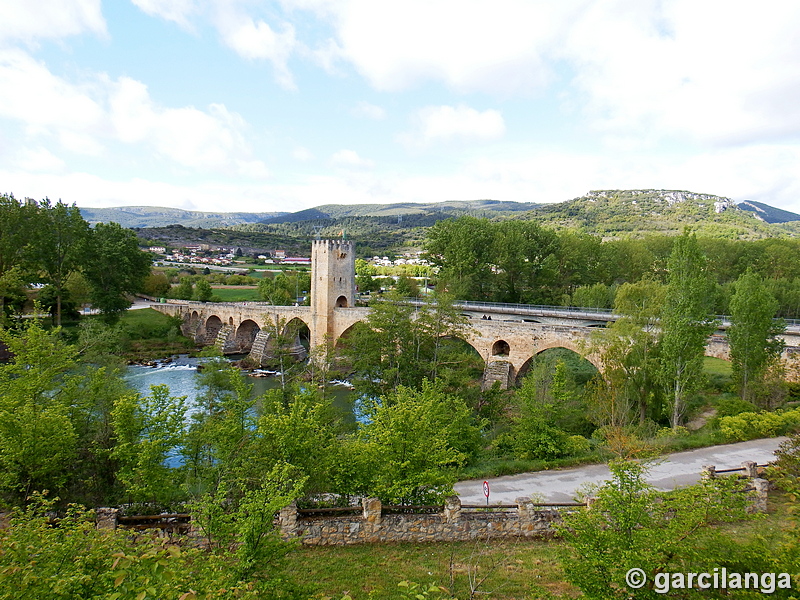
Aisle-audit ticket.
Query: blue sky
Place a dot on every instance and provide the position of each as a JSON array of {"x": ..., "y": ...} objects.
[{"x": 228, "y": 105}]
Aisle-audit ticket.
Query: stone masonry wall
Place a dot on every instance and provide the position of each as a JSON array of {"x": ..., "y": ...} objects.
[{"x": 451, "y": 524}]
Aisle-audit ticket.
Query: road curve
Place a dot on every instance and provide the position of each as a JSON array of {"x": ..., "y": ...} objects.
[{"x": 668, "y": 472}]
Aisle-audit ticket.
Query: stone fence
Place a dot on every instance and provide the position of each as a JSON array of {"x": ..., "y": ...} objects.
[
  {"x": 374, "y": 523},
  {"x": 452, "y": 522}
]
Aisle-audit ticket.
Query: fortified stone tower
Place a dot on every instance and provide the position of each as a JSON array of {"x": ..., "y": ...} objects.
[{"x": 333, "y": 283}]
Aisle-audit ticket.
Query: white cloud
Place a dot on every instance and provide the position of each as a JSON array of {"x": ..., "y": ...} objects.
[
  {"x": 256, "y": 40},
  {"x": 49, "y": 19},
  {"x": 211, "y": 139},
  {"x": 47, "y": 104},
  {"x": 445, "y": 123},
  {"x": 467, "y": 44},
  {"x": 717, "y": 72},
  {"x": 302, "y": 154},
  {"x": 38, "y": 159},
  {"x": 350, "y": 159},
  {"x": 764, "y": 173},
  {"x": 369, "y": 111},
  {"x": 85, "y": 117},
  {"x": 178, "y": 11}
]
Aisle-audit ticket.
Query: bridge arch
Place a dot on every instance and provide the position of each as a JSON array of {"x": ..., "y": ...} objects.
[
  {"x": 245, "y": 335},
  {"x": 298, "y": 328},
  {"x": 342, "y": 339},
  {"x": 501, "y": 348},
  {"x": 591, "y": 360},
  {"x": 212, "y": 328}
]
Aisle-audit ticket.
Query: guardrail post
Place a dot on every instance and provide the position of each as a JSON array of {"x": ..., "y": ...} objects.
[
  {"x": 708, "y": 472},
  {"x": 106, "y": 518},
  {"x": 760, "y": 501},
  {"x": 452, "y": 509},
  {"x": 524, "y": 510},
  {"x": 372, "y": 511},
  {"x": 750, "y": 469},
  {"x": 287, "y": 520}
]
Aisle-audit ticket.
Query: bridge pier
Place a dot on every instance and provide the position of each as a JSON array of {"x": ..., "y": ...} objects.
[{"x": 500, "y": 371}]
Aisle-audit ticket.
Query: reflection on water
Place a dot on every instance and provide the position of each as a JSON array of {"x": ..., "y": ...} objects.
[{"x": 180, "y": 376}]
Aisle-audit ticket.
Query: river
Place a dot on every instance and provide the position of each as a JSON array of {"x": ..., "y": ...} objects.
[{"x": 180, "y": 375}]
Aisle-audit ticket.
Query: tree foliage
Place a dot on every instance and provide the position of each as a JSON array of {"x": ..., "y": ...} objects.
[
  {"x": 402, "y": 344},
  {"x": 412, "y": 442},
  {"x": 60, "y": 246},
  {"x": 685, "y": 325},
  {"x": 752, "y": 336},
  {"x": 631, "y": 525},
  {"x": 115, "y": 268}
]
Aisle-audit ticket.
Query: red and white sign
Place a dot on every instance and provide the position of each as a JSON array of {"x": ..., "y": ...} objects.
[{"x": 486, "y": 489}]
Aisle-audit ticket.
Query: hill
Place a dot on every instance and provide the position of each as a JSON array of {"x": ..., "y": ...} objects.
[
  {"x": 768, "y": 213},
  {"x": 634, "y": 213},
  {"x": 434, "y": 210},
  {"x": 154, "y": 216},
  {"x": 382, "y": 228}
]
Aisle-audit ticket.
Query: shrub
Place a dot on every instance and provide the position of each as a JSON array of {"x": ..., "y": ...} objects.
[{"x": 752, "y": 425}]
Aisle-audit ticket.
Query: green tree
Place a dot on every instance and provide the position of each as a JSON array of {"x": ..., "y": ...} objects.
[
  {"x": 548, "y": 408},
  {"x": 401, "y": 344},
  {"x": 598, "y": 295},
  {"x": 520, "y": 253},
  {"x": 59, "y": 246},
  {"x": 753, "y": 334},
  {"x": 628, "y": 349},
  {"x": 203, "y": 291},
  {"x": 185, "y": 289},
  {"x": 462, "y": 249},
  {"x": 631, "y": 525},
  {"x": 149, "y": 431},
  {"x": 278, "y": 291},
  {"x": 363, "y": 268},
  {"x": 406, "y": 286},
  {"x": 283, "y": 289},
  {"x": 156, "y": 284},
  {"x": 218, "y": 441},
  {"x": 685, "y": 325},
  {"x": 304, "y": 433},
  {"x": 38, "y": 442},
  {"x": 115, "y": 267},
  {"x": 17, "y": 226},
  {"x": 412, "y": 443}
]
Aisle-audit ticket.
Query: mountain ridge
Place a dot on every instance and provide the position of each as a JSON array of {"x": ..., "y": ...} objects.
[{"x": 158, "y": 216}]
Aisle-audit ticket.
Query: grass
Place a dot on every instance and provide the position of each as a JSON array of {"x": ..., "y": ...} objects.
[
  {"x": 237, "y": 294},
  {"x": 499, "y": 466},
  {"x": 513, "y": 569},
  {"x": 152, "y": 334}
]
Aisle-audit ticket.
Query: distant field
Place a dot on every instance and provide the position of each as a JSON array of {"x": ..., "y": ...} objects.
[
  {"x": 237, "y": 294},
  {"x": 716, "y": 366}
]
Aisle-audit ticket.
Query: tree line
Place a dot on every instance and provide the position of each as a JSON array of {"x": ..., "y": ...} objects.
[
  {"x": 523, "y": 262},
  {"x": 52, "y": 245}
]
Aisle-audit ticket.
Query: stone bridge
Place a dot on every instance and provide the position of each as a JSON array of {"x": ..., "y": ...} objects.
[{"x": 507, "y": 337}]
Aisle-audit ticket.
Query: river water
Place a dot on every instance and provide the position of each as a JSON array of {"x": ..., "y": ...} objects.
[{"x": 180, "y": 375}]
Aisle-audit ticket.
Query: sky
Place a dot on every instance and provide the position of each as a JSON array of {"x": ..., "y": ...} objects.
[{"x": 247, "y": 105}]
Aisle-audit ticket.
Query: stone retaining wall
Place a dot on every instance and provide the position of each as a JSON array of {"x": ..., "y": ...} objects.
[{"x": 453, "y": 523}]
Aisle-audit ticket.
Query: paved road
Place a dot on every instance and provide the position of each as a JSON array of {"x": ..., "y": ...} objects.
[{"x": 675, "y": 470}]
